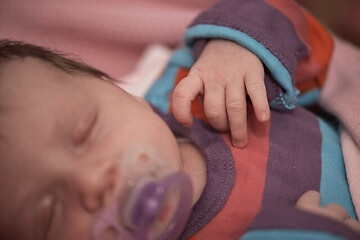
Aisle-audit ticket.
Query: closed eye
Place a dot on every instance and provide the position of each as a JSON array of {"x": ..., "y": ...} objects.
[{"x": 84, "y": 128}]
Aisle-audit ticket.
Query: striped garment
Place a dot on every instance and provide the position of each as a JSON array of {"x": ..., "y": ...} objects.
[
  {"x": 296, "y": 151},
  {"x": 251, "y": 193}
]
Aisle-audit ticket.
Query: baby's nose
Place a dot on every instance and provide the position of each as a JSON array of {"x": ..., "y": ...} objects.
[{"x": 96, "y": 184}]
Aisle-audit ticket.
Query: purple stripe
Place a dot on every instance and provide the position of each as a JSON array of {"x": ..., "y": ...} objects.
[
  {"x": 262, "y": 22},
  {"x": 220, "y": 171},
  {"x": 291, "y": 218},
  {"x": 273, "y": 89},
  {"x": 294, "y": 164}
]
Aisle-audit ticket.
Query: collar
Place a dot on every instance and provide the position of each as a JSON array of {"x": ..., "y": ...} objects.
[{"x": 220, "y": 170}]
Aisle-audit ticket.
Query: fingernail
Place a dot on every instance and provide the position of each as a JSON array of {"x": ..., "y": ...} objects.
[
  {"x": 263, "y": 116},
  {"x": 186, "y": 126},
  {"x": 239, "y": 144}
]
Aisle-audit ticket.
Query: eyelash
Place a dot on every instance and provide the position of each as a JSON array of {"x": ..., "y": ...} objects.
[
  {"x": 49, "y": 216},
  {"x": 85, "y": 128}
]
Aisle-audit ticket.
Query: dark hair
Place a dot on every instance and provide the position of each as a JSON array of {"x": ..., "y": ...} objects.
[{"x": 10, "y": 49}]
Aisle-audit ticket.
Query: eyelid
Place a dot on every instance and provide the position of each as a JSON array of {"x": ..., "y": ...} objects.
[{"x": 84, "y": 127}]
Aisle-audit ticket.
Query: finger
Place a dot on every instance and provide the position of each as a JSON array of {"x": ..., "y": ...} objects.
[
  {"x": 352, "y": 223},
  {"x": 236, "y": 111},
  {"x": 337, "y": 211},
  {"x": 182, "y": 96},
  {"x": 256, "y": 90},
  {"x": 214, "y": 106},
  {"x": 310, "y": 199}
]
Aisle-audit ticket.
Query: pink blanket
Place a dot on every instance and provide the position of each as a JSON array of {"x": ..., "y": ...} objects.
[
  {"x": 341, "y": 97},
  {"x": 109, "y": 35}
]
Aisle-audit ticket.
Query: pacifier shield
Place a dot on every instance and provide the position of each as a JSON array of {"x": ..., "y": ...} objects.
[{"x": 155, "y": 203}]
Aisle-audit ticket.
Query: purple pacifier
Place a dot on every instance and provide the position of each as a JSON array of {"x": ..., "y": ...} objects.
[{"x": 155, "y": 204}]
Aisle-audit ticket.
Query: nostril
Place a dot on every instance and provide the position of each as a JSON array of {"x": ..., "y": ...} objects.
[
  {"x": 144, "y": 158},
  {"x": 97, "y": 185},
  {"x": 92, "y": 203}
]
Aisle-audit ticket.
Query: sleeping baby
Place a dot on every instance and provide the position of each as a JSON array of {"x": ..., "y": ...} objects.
[{"x": 83, "y": 159}]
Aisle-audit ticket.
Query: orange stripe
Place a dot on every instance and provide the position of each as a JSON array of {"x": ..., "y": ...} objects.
[
  {"x": 322, "y": 46},
  {"x": 311, "y": 71},
  {"x": 246, "y": 195}
]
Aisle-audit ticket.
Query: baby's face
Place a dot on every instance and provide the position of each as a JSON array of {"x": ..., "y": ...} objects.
[{"x": 62, "y": 138}]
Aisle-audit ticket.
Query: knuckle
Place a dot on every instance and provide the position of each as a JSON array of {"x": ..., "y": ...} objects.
[
  {"x": 256, "y": 86},
  {"x": 178, "y": 94},
  {"x": 214, "y": 114},
  {"x": 235, "y": 107},
  {"x": 195, "y": 72}
]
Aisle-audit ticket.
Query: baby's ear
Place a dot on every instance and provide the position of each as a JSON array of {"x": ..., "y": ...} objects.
[{"x": 143, "y": 102}]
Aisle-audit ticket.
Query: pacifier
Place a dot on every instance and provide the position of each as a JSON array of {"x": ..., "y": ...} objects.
[{"x": 154, "y": 204}]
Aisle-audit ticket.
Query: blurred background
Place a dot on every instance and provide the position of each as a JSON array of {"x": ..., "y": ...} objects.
[
  {"x": 341, "y": 16},
  {"x": 114, "y": 35}
]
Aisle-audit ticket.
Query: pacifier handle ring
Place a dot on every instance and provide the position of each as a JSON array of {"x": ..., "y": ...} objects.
[{"x": 181, "y": 215}]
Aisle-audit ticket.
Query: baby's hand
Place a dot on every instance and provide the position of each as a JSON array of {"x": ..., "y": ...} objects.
[
  {"x": 223, "y": 74},
  {"x": 310, "y": 201}
]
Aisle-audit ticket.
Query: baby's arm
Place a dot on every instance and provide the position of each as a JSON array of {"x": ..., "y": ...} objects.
[
  {"x": 306, "y": 221},
  {"x": 223, "y": 74},
  {"x": 310, "y": 201}
]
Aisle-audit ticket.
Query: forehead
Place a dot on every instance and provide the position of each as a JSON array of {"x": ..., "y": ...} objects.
[
  {"x": 28, "y": 89},
  {"x": 31, "y": 92},
  {"x": 31, "y": 88},
  {"x": 29, "y": 77}
]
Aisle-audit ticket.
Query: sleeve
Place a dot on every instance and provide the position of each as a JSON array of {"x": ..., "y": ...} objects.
[
  {"x": 281, "y": 33},
  {"x": 291, "y": 223}
]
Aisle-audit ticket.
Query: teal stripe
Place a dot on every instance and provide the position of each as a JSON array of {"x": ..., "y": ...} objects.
[
  {"x": 159, "y": 93},
  {"x": 308, "y": 98},
  {"x": 276, "y": 234},
  {"x": 182, "y": 58},
  {"x": 333, "y": 186},
  {"x": 277, "y": 69}
]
